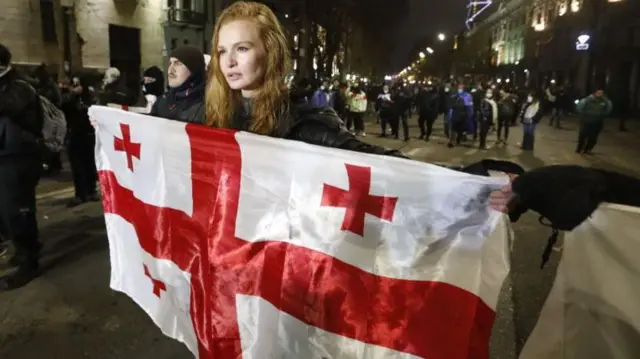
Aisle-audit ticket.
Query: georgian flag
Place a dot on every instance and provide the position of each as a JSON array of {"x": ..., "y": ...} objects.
[{"x": 245, "y": 246}]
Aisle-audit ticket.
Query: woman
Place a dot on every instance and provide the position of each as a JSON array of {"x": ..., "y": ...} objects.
[
  {"x": 530, "y": 115},
  {"x": 250, "y": 58}
]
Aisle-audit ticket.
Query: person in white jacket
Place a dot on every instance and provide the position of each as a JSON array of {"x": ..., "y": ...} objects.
[{"x": 357, "y": 103}]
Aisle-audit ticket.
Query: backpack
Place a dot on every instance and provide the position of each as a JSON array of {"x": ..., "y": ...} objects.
[{"x": 54, "y": 124}]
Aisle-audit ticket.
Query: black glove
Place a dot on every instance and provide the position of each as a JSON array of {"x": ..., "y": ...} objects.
[{"x": 566, "y": 195}]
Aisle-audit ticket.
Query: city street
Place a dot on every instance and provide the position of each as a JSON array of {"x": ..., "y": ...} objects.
[{"x": 70, "y": 312}]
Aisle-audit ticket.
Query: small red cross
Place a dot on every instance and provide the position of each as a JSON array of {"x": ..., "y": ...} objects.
[
  {"x": 357, "y": 200},
  {"x": 125, "y": 145},
  {"x": 158, "y": 285}
]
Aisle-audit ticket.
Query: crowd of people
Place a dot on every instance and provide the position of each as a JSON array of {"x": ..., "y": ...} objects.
[
  {"x": 243, "y": 88},
  {"x": 469, "y": 113}
]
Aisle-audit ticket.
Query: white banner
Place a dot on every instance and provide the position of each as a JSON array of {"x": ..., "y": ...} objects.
[{"x": 593, "y": 310}]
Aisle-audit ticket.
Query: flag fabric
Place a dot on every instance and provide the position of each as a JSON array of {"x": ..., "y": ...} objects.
[
  {"x": 592, "y": 310},
  {"x": 143, "y": 110},
  {"x": 246, "y": 246}
]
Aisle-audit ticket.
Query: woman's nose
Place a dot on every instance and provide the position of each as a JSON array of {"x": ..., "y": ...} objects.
[{"x": 231, "y": 61}]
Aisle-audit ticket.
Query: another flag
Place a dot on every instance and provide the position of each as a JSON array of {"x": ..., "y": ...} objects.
[
  {"x": 245, "y": 246},
  {"x": 592, "y": 311}
]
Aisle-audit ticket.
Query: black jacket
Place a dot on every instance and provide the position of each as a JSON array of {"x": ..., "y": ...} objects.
[
  {"x": 428, "y": 102},
  {"x": 20, "y": 117},
  {"x": 117, "y": 93},
  {"x": 184, "y": 103}
]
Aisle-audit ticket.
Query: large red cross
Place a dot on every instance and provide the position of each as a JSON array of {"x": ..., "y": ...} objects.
[
  {"x": 357, "y": 200},
  {"x": 158, "y": 285},
  {"x": 428, "y": 319},
  {"x": 125, "y": 145}
]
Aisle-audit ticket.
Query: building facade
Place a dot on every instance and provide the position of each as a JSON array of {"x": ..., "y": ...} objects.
[
  {"x": 582, "y": 44},
  {"x": 97, "y": 34}
]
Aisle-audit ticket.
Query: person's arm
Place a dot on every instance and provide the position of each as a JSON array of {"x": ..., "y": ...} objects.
[{"x": 609, "y": 108}]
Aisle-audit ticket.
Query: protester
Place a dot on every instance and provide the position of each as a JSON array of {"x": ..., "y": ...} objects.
[
  {"x": 114, "y": 90},
  {"x": 507, "y": 111},
  {"x": 487, "y": 116},
  {"x": 385, "y": 109},
  {"x": 460, "y": 110},
  {"x": 592, "y": 111},
  {"x": 186, "y": 77},
  {"x": 81, "y": 142},
  {"x": 530, "y": 116},
  {"x": 152, "y": 86},
  {"x": 322, "y": 95},
  {"x": 21, "y": 120},
  {"x": 357, "y": 100}
]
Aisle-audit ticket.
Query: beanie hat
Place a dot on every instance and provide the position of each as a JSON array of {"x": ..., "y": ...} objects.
[
  {"x": 5, "y": 56},
  {"x": 191, "y": 57}
]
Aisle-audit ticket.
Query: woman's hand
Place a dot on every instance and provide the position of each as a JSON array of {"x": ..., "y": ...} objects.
[{"x": 500, "y": 200}]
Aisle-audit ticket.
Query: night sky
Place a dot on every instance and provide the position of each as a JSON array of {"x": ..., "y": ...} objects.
[{"x": 427, "y": 18}]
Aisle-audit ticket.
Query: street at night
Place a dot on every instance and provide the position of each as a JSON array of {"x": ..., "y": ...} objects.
[
  {"x": 226, "y": 179},
  {"x": 70, "y": 312}
]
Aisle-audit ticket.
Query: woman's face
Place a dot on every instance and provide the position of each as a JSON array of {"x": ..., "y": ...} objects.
[{"x": 242, "y": 56}]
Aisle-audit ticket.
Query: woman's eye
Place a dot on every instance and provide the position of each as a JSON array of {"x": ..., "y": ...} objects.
[
  {"x": 220, "y": 52},
  {"x": 243, "y": 48}
]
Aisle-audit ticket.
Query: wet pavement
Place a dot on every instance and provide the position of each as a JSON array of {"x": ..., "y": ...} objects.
[{"x": 70, "y": 312}]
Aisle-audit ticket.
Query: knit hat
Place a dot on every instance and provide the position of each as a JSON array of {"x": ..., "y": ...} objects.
[
  {"x": 5, "y": 56},
  {"x": 191, "y": 57}
]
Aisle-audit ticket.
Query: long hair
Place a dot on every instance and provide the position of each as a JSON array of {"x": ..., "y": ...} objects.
[{"x": 221, "y": 101}]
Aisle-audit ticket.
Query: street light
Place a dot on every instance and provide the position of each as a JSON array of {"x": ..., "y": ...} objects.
[
  {"x": 441, "y": 37},
  {"x": 429, "y": 50},
  {"x": 422, "y": 55}
]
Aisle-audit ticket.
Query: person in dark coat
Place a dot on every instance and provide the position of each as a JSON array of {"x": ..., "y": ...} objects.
[
  {"x": 21, "y": 120},
  {"x": 427, "y": 103},
  {"x": 81, "y": 142},
  {"x": 186, "y": 78},
  {"x": 152, "y": 86},
  {"x": 592, "y": 111},
  {"x": 114, "y": 90}
]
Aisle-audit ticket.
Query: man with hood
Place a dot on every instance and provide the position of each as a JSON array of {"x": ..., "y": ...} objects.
[
  {"x": 152, "y": 86},
  {"x": 186, "y": 78},
  {"x": 21, "y": 120},
  {"x": 114, "y": 90}
]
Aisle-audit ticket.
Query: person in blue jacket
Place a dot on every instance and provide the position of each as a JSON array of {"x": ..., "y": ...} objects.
[
  {"x": 321, "y": 96},
  {"x": 459, "y": 115}
]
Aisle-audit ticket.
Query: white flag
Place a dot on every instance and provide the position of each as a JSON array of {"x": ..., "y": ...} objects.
[{"x": 593, "y": 309}]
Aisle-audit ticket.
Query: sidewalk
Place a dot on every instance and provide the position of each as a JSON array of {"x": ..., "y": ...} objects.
[{"x": 60, "y": 184}]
